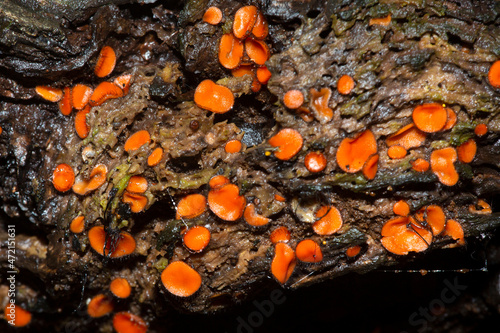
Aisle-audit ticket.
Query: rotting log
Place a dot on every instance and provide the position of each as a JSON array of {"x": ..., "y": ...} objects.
[{"x": 434, "y": 52}]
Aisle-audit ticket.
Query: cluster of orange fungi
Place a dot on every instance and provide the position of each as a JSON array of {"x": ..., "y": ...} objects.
[{"x": 415, "y": 233}]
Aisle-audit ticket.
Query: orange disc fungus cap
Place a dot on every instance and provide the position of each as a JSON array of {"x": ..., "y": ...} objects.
[
  {"x": 155, "y": 157},
  {"x": 263, "y": 74},
  {"x": 260, "y": 28},
  {"x": 430, "y": 117},
  {"x": 293, "y": 99},
  {"x": 451, "y": 121},
  {"x": 180, "y": 279},
  {"x": 226, "y": 202},
  {"x": 253, "y": 218},
  {"x": 48, "y": 93},
  {"x": 345, "y": 85},
  {"x": 329, "y": 223},
  {"x": 442, "y": 165},
  {"x": 233, "y": 146},
  {"x": 218, "y": 181},
  {"x": 63, "y": 177},
  {"x": 97, "y": 178},
  {"x": 280, "y": 234},
  {"x": 99, "y": 306},
  {"x": 315, "y": 161},
  {"x": 353, "y": 152},
  {"x": 485, "y": 208},
  {"x": 65, "y": 105},
  {"x": 401, "y": 208},
  {"x": 231, "y": 51},
  {"x": 434, "y": 217},
  {"x": 213, "y": 16},
  {"x": 21, "y": 317},
  {"x": 244, "y": 21},
  {"x": 77, "y": 225},
  {"x": 190, "y": 206},
  {"x": 466, "y": 151},
  {"x": 371, "y": 166},
  {"x": 283, "y": 263},
  {"x": 137, "y": 184},
  {"x": 289, "y": 143},
  {"x": 126, "y": 322},
  {"x": 120, "y": 287},
  {"x": 136, "y": 140},
  {"x": 104, "y": 91},
  {"x": 407, "y": 137},
  {"x": 257, "y": 51},
  {"x": 105, "y": 62},
  {"x": 481, "y": 129},
  {"x": 494, "y": 74},
  {"x": 137, "y": 202},
  {"x": 80, "y": 96},
  {"x": 455, "y": 231},
  {"x": 309, "y": 251},
  {"x": 396, "y": 152},
  {"x": 213, "y": 97},
  {"x": 123, "y": 245},
  {"x": 196, "y": 238},
  {"x": 353, "y": 251},
  {"x": 123, "y": 82},
  {"x": 403, "y": 234},
  {"x": 81, "y": 126},
  {"x": 420, "y": 165}
]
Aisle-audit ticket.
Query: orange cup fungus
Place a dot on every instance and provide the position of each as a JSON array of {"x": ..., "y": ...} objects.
[
  {"x": 126, "y": 322},
  {"x": 289, "y": 143},
  {"x": 81, "y": 127},
  {"x": 283, "y": 263},
  {"x": 21, "y": 317},
  {"x": 213, "y": 16},
  {"x": 329, "y": 221},
  {"x": 481, "y": 129},
  {"x": 263, "y": 74},
  {"x": 101, "y": 242},
  {"x": 280, "y": 234},
  {"x": 433, "y": 216},
  {"x": 104, "y": 91},
  {"x": 123, "y": 82},
  {"x": 180, "y": 279},
  {"x": 442, "y": 165},
  {"x": 253, "y": 218},
  {"x": 407, "y": 137},
  {"x": 136, "y": 140},
  {"x": 99, "y": 306},
  {"x": 233, "y": 146},
  {"x": 353, "y": 251},
  {"x": 401, "y": 208},
  {"x": 191, "y": 206},
  {"x": 345, "y": 85},
  {"x": 257, "y": 51},
  {"x": 65, "y": 105},
  {"x": 213, "y": 97},
  {"x": 396, "y": 152},
  {"x": 430, "y": 117},
  {"x": 97, "y": 178},
  {"x": 260, "y": 29},
  {"x": 383, "y": 21},
  {"x": 218, "y": 181},
  {"x": 77, "y": 225},
  {"x": 455, "y": 231},
  {"x": 231, "y": 51},
  {"x": 319, "y": 104},
  {"x": 80, "y": 96},
  {"x": 308, "y": 251},
  {"x": 226, "y": 202},
  {"x": 315, "y": 161},
  {"x": 137, "y": 184},
  {"x": 451, "y": 121},
  {"x": 49, "y": 93},
  {"x": 403, "y": 234},
  {"x": 137, "y": 202},
  {"x": 420, "y": 165},
  {"x": 63, "y": 177},
  {"x": 484, "y": 208},
  {"x": 354, "y": 152},
  {"x": 196, "y": 238},
  {"x": 244, "y": 21},
  {"x": 155, "y": 157},
  {"x": 494, "y": 74},
  {"x": 105, "y": 62},
  {"x": 120, "y": 288},
  {"x": 466, "y": 151},
  {"x": 293, "y": 99},
  {"x": 371, "y": 166}
]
